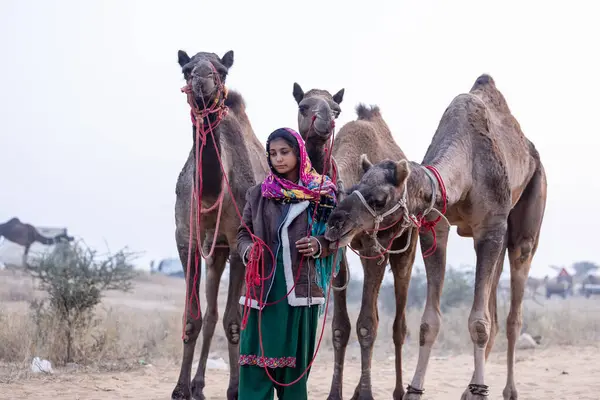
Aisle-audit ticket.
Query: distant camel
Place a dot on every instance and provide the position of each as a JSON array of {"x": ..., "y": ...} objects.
[{"x": 25, "y": 235}]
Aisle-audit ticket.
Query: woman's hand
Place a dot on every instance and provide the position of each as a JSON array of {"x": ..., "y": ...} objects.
[{"x": 308, "y": 246}]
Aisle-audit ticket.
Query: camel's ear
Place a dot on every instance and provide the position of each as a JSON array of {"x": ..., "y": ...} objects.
[
  {"x": 402, "y": 172},
  {"x": 227, "y": 59},
  {"x": 182, "y": 58},
  {"x": 298, "y": 93},
  {"x": 365, "y": 163},
  {"x": 339, "y": 96}
]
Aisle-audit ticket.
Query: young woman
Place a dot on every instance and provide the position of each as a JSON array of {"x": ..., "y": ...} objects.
[{"x": 280, "y": 212}]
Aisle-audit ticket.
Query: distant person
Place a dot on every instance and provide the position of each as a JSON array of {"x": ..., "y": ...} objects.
[{"x": 279, "y": 211}]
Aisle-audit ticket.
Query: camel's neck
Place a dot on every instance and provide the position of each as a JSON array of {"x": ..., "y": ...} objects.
[
  {"x": 453, "y": 169},
  {"x": 316, "y": 152},
  {"x": 212, "y": 175}
]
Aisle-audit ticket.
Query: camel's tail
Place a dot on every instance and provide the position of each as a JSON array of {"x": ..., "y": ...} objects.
[{"x": 367, "y": 113}]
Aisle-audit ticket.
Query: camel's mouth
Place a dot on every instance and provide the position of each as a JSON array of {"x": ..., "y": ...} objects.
[
  {"x": 203, "y": 89},
  {"x": 323, "y": 135},
  {"x": 339, "y": 238}
]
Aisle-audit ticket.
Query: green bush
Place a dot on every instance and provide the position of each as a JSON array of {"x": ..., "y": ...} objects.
[{"x": 74, "y": 277}]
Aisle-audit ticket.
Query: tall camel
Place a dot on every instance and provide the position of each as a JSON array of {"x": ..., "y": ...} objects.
[
  {"x": 370, "y": 134},
  {"x": 496, "y": 194},
  {"x": 244, "y": 163},
  {"x": 26, "y": 235}
]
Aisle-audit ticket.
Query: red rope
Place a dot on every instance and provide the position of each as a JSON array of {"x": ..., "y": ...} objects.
[
  {"x": 430, "y": 225},
  {"x": 202, "y": 131}
]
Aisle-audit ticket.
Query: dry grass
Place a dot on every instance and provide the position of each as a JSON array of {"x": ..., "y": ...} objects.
[{"x": 144, "y": 326}]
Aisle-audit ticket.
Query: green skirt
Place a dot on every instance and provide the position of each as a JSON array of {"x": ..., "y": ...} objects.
[{"x": 288, "y": 338}]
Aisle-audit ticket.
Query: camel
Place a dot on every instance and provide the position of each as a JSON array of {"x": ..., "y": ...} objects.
[
  {"x": 369, "y": 133},
  {"x": 26, "y": 235},
  {"x": 496, "y": 194},
  {"x": 245, "y": 164}
]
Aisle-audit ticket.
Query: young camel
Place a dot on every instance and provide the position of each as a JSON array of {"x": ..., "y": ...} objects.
[
  {"x": 26, "y": 235},
  {"x": 244, "y": 163},
  {"x": 496, "y": 194},
  {"x": 369, "y": 133}
]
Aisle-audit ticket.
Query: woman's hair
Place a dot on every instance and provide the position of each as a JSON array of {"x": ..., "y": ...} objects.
[{"x": 283, "y": 134}]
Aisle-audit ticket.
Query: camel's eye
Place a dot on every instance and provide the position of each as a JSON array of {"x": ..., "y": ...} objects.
[
  {"x": 336, "y": 110},
  {"x": 303, "y": 108}
]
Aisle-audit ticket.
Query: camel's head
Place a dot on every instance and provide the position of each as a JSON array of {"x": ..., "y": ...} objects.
[
  {"x": 203, "y": 73},
  {"x": 320, "y": 106},
  {"x": 382, "y": 187}
]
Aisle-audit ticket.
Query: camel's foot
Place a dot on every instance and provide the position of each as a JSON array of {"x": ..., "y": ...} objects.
[
  {"x": 364, "y": 394},
  {"x": 398, "y": 394},
  {"x": 232, "y": 393},
  {"x": 510, "y": 393},
  {"x": 335, "y": 394},
  {"x": 181, "y": 392},
  {"x": 411, "y": 393},
  {"x": 475, "y": 392},
  {"x": 198, "y": 390}
]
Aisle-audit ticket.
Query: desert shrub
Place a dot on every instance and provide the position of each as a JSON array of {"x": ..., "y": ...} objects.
[{"x": 74, "y": 278}]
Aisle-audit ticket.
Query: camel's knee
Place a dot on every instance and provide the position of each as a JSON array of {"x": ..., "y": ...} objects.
[
  {"x": 523, "y": 250},
  {"x": 340, "y": 328},
  {"x": 480, "y": 332},
  {"x": 366, "y": 334},
  {"x": 430, "y": 327},
  {"x": 232, "y": 331},
  {"x": 428, "y": 332},
  {"x": 340, "y": 338},
  {"x": 192, "y": 329}
]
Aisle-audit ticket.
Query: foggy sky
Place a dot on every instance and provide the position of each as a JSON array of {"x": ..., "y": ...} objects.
[{"x": 94, "y": 129}]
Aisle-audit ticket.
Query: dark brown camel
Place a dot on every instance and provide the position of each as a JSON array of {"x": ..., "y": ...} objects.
[
  {"x": 25, "y": 235},
  {"x": 244, "y": 163},
  {"x": 496, "y": 194},
  {"x": 370, "y": 134}
]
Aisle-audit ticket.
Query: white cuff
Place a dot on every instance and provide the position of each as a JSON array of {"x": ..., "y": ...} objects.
[{"x": 244, "y": 260}]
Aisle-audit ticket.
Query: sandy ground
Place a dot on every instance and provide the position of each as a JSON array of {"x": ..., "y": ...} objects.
[{"x": 558, "y": 373}]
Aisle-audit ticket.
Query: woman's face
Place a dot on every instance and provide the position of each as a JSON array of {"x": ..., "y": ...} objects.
[{"x": 283, "y": 158}]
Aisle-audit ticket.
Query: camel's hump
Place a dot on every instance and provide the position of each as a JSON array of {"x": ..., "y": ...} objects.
[
  {"x": 484, "y": 80},
  {"x": 366, "y": 113}
]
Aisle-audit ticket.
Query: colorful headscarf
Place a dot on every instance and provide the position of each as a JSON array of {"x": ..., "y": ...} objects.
[{"x": 276, "y": 187}]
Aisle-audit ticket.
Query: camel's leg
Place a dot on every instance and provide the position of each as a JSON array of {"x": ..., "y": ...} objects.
[
  {"x": 192, "y": 325},
  {"x": 367, "y": 323},
  {"x": 214, "y": 270},
  {"x": 232, "y": 321},
  {"x": 340, "y": 327},
  {"x": 25, "y": 256},
  {"x": 435, "y": 267},
  {"x": 524, "y": 222},
  {"x": 493, "y": 309},
  {"x": 401, "y": 265},
  {"x": 489, "y": 244}
]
